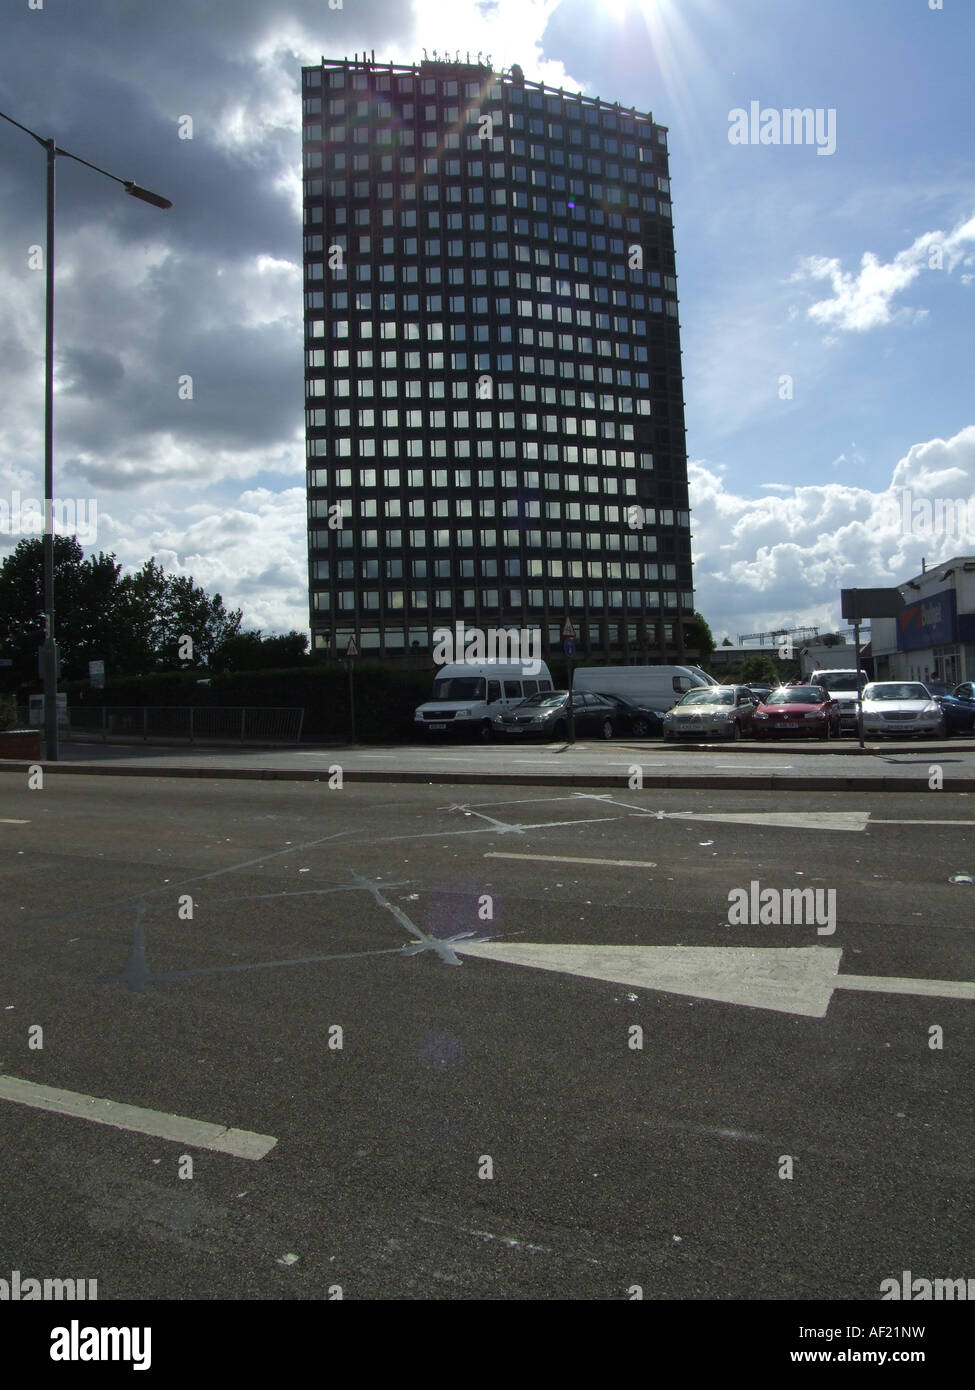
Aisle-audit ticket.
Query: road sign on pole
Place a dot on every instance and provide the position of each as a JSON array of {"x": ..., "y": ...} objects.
[
  {"x": 569, "y": 647},
  {"x": 351, "y": 652}
]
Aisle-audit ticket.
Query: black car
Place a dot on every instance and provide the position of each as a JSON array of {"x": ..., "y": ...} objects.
[
  {"x": 958, "y": 705},
  {"x": 546, "y": 715},
  {"x": 638, "y": 721}
]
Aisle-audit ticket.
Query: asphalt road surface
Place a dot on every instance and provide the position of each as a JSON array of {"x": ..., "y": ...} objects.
[{"x": 483, "y": 1043}]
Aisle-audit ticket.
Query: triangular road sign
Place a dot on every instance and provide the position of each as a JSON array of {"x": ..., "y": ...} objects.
[{"x": 352, "y": 649}]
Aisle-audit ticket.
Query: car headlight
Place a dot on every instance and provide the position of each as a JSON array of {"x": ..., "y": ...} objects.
[
  {"x": 463, "y": 713},
  {"x": 761, "y": 716},
  {"x": 816, "y": 714},
  {"x": 932, "y": 708}
]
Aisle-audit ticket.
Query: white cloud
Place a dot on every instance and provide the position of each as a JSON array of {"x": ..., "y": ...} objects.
[
  {"x": 773, "y": 561},
  {"x": 865, "y": 300}
]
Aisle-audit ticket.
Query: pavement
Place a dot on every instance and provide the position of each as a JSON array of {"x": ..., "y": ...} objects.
[
  {"x": 281, "y": 1040},
  {"x": 841, "y": 766}
]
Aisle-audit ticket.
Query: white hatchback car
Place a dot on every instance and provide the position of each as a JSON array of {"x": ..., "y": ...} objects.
[{"x": 900, "y": 708}]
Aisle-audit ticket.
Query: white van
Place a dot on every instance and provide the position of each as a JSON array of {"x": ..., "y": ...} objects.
[
  {"x": 654, "y": 687},
  {"x": 468, "y": 696}
]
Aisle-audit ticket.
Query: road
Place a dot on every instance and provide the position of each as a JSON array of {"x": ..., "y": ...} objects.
[{"x": 488, "y": 1127}]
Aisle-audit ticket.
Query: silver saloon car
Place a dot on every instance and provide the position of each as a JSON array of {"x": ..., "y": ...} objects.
[{"x": 900, "y": 708}]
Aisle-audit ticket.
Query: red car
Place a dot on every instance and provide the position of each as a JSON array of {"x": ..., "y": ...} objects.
[{"x": 798, "y": 711}]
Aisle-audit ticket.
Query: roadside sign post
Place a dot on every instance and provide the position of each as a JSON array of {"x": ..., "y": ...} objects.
[
  {"x": 96, "y": 674},
  {"x": 569, "y": 647},
  {"x": 857, "y": 604},
  {"x": 856, "y": 657},
  {"x": 351, "y": 652}
]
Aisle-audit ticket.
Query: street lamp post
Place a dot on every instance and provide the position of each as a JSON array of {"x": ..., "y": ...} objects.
[{"x": 49, "y": 651}]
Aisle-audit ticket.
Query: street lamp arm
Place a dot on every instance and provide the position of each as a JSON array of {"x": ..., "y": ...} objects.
[{"x": 134, "y": 189}]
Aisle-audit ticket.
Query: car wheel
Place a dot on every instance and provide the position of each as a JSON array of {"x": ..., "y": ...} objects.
[
  {"x": 640, "y": 728},
  {"x": 485, "y": 733},
  {"x": 606, "y": 729},
  {"x": 941, "y": 731},
  {"x": 827, "y": 732},
  {"x": 668, "y": 736},
  {"x": 561, "y": 731}
]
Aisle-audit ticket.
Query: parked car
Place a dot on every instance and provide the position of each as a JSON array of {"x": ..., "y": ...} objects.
[
  {"x": 841, "y": 684},
  {"x": 635, "y": 719},
  {"x": 760, "y": 689},
  {"x": 722, "y": 711},
  {"x": 899, "y": 709},
  {"x": 958, "y": 707},
  {"x": 798, "y": 711},
  {"x": 546, "y": 715}
]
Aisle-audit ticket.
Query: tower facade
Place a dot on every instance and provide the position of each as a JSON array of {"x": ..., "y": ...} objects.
[{"x": 494, "y": 401}]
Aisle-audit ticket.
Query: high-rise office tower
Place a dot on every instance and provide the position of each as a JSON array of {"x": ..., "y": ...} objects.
[{"x": 494, "y": 405}]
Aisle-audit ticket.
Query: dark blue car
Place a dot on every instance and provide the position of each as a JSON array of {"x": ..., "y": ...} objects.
[{"x": 958, "y": 705}]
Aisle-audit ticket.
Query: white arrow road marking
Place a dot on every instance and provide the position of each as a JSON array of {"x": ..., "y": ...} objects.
[
  {"x": 572, "y": 859},
  {"x": 789, "y": 820},
  {"x": 792, "y": 980},
  {"x": 241, "y": 1143}
]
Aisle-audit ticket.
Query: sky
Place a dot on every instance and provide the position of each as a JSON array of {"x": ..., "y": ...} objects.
[{"x": 826, "y": 283}]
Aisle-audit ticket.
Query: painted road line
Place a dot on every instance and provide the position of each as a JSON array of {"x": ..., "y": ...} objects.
[
  {"x": 572, "y": 859},
  {"x": 241, "y": 1143},
  {"x": 893, "y": 984},
  {"x": 922, "y": 822},
  {"x": 5, "y": 821},
  {"x": 788, "y": 820}
]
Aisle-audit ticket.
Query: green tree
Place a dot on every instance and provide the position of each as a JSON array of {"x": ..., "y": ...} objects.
[
  {"x": 760, "y": 667},
  {"x": 165, "y": 610},
  {"x": 698, "y": 635},
  {"x": 249, "y": 651},
  {"x": 134, "y": 623},
  {"x": 85, "y": 593}
]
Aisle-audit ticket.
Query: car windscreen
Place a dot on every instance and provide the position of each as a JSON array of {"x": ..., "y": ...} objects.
[
  {"x": 797, "y": 695},
  {"x": 896, "y": 691},
  {"x": 544, "y": 700},
  {"x": 840, "y": 680},
  {"x": 713, "y": 695},
  {"x": 459, "y": 688}
]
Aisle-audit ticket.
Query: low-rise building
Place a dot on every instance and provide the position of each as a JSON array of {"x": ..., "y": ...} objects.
[{"x": 933, "y": 638}]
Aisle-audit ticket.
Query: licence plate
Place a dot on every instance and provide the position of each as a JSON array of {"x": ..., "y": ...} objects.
[{"x": 436, "y": 726}]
